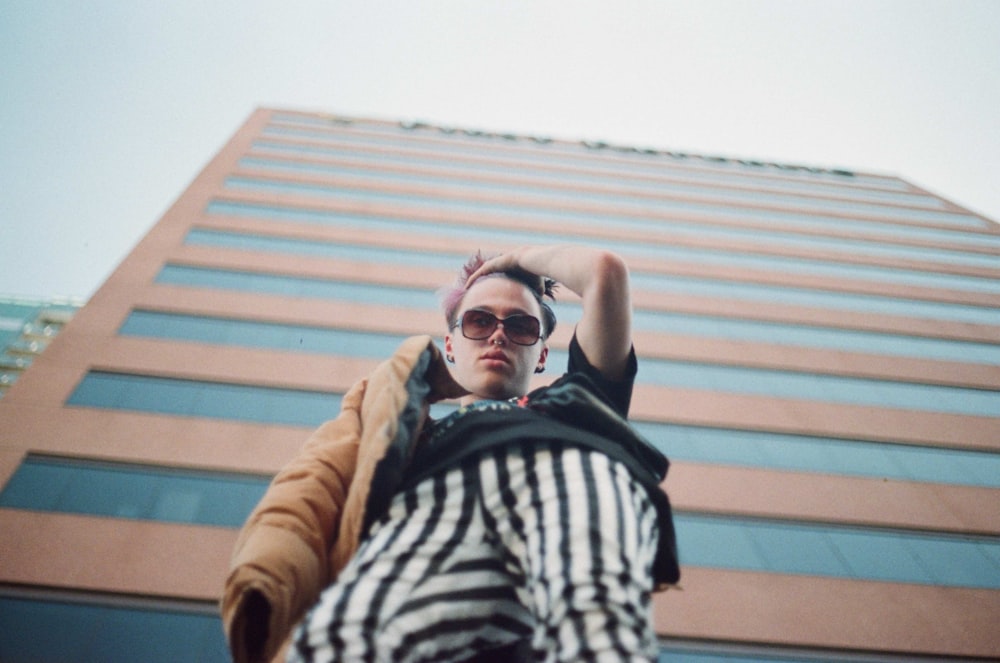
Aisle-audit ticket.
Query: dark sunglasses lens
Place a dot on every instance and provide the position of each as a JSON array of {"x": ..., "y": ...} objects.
[
  {"x": 477, "y": 325},
  {"x": 522, "y": 329}
]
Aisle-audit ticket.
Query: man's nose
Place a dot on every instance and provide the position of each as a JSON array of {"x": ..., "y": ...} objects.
[{"x": 499, "y": 333}]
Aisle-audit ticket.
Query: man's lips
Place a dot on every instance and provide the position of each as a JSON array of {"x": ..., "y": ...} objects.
[{"x": 495, "y": 355}]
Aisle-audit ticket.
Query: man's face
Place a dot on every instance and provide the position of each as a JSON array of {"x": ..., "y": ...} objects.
[{"x": 495, "y": 367}]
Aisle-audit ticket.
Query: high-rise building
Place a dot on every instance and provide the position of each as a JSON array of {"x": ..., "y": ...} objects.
[
  {"x": 27, "y": 326},
  {"x": 819, "y": 357}
]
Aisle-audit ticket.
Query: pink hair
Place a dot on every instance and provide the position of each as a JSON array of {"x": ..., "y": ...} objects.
[{"x": 451, "y": 296}]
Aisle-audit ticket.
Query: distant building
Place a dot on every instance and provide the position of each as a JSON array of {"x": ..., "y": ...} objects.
[
  {"x": 819, "y": 357},
  {"x": 27, "y": 326}
]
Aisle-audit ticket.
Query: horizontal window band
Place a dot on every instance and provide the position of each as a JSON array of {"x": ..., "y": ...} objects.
[
  {"x": 716, "y": 541},
  {"x": 312, "y": 338},
  {"x": 664, "y": 197},
  {"x": 101, "y": 630},
  {"x": 803, "y": 453},
  {"x": 460, "y": 142},
  {"x": 155, "y": 634},
  {"x": 745, "y": 222},
  {"x": 859, "y": 553},
  {"x": 772, "y": 239},
  {"x": 193, "y": 398},
  {"x": 314, "y": 287},
  {"x": 663, "y": 372},
  {"x": 644, "y": 318},
  {"x": 681, "y": 650},
  {"x": 629, "y": 249},
  {"x": 256, "y": 334},
  {"x": 586, "y": 173},
  {"x": 139, "y": 492}
]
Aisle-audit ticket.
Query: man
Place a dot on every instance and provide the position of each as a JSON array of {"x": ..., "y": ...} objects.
[{"x": 528, "y": 526}]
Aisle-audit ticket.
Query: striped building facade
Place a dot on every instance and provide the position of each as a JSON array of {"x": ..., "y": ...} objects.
[{"x": 819, "y": 357}]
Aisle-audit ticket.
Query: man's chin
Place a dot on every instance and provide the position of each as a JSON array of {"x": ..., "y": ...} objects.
[{"x": 497, "y": 391}]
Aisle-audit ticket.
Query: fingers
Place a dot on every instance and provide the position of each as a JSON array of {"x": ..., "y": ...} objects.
[{"x": 499, "y": 263}]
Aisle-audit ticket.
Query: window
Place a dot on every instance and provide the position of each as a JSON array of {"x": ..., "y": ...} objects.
[
  {"x": 195, "y": 398},
  {"x": 74, "y": 631},
  {"x": 773, "y": 546},
  {"x": 256, "y": 334},
  {"x": 139, "y": 492},
  {"x": 815, "y": 454}
]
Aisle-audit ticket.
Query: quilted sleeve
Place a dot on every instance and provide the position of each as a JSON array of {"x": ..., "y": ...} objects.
[{"x": 280, "y": 561}]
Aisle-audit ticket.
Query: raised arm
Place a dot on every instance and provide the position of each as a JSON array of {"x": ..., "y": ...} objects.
[{"x": 601, "y": 280}]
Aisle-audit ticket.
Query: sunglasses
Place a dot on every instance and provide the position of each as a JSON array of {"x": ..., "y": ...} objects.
[{"x": 519, "y": 328}]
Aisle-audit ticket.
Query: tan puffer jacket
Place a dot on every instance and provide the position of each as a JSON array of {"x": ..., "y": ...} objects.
[{"x": 308, "y": 524}]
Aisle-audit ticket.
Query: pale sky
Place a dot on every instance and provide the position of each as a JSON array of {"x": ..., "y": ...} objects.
[{"x": 108, "y": 109}]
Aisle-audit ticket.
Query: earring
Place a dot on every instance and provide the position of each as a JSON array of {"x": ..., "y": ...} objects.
[
  {"x": 450, "y": 358},
  {"x": 539, "y": 369}
]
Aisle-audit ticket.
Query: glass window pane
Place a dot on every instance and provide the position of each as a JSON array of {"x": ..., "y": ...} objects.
[
  {"x": 879, "y": 556},
  {"x": 39, "y": 630},
  {"x": 227, "y": 501},
  {"x": 29, "y": 635},
  {"x": 98, "y": 387},
  {"x": 206, "y": 399},
  {"x": 825, "y": 455},
  {"x": 37, "y": 485},
  {"x": 138, "y": 635},
  {"x": 708, "y": 542},
  {"x": 959, "y": 562},
  {"x": 838, "y": 551},
  {"x": 302, "y": 406},
  {"x": 121, "y": 494},
  {"x": 178, "y": 499},
  {"x": 796, "y": 549},
  {"x": 133, "y": 491},
  {"x": 155, "y": 395}
]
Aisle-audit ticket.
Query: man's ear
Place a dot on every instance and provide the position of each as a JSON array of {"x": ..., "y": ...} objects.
[
  {"x": 541, "y": 359},
  {"x": 449, "y": 353}
]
